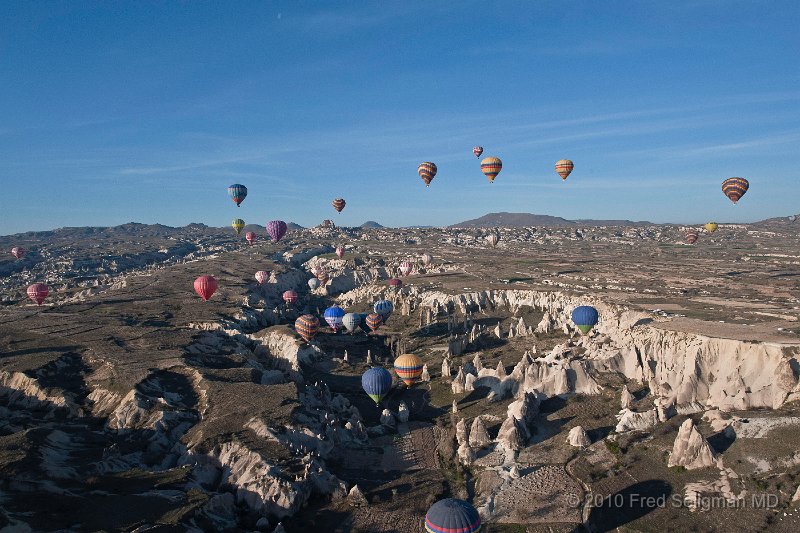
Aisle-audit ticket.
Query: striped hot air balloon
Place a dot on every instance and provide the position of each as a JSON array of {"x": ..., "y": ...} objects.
[
  {"x": 395, "y": 283},
  {"x": 735, "y": 188},
  {"x": 374, "y": 321},
  {"x": 38, "y": 292},
  {"x": 205, "y": 287},
  {"x": 351, "y": 321},
  {"x": 409, "y": 368},
  {"x": 477, "y": 151},
  {"x": 339, "y": 252},
  {"x": 427, "y": 171},
  {"x": 237, "y": 193},
  {"x": 377, "y": 382},
  {"x": 322, "y": 276},
  {"x": 339, "y": 204},
  {"x": 238, "y": 225},
  {"x": 452, "y": 516},
  {"x": 585, "y": 317},
  {"x": 711, "y": 227},
  {"x": 491, "y": 167},
  {"x": 333, "y": 316},
  {"x": 493, "y": 239},
  {"x": 306, "y": 326},
  {"x": 384, "y": 308},
  {"x": 426, "y": 259},
  {"x": 250, "y": 237},
  {"x": 313, "y": 283},
  {"x": 18, "y": 252},
  {"x": 692, "y": 236},
  {"x": 289, "y": 297},
  {"x": 564, "y": 167},
  {"x": 262, "y": 276},
  {"x": 276, "y": 229},
  {"x": 406, "y": 267}
]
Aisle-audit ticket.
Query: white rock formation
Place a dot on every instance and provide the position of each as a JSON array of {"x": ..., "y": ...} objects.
[
  {"x": 626, "y": 399},
  {"x": 628, "y": 420},
  {"x": 469, "y": 382},
  {"x": 425, "y": 375},
  {"x": 402, "y": 413},
  {"x": 691, "y": 450},
  {"x": 387, "y": 419},
  {"x": 455, "y": 406},
  {"x": 466, "y": 455},
  {"x": 478, "y": 436},
  {"x": 509, "y": 435},
  {"x": 577, "y": 437},
  {"x": 458, "y": 382},
  {"x": 446, "y": 368},
  {"x": 356, "y": 497},
  {"x": 462, "y": 434}
]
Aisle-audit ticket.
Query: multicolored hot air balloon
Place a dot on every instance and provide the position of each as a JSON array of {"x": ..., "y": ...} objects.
[
  {"x": 564, "y": 167},
  {"x": 18, "y": 252},
  {"x": 322, "y": 276},
  {"x": 735, "y": 188},
  {"x": 491, "y": 167},
  {"x": 377, "y": 382},
  {"x": 426, "y": 259},
  {"x": 307, "y": 327},
  {"x": 333, "y": 316},
  {"x": 340, "y": 251},
  {"x": 351, "y": 321},
  {"x": 237, "y": 225},
  {"x": 711, "y": 227},
  {"x": 477, "y": 151},
  {"x": 289, "y": 297},
  {"x": 452, "y": 516},
  {"x": 250, "y": 237},
  {"x": 585, "y": 317},
  {"x": 384, "y": 308},
  {"x": 205, "y": 286},
  {"x": 38, "y": 292},
  {"x": 262, "y": 276},
  {"x": 313, "y": 283},
  {"x": 406, "y": 267},
  {"x": 237, "y": 193},
  {"x": 276, "y": 229},
  {"x": 339, "y": 204},
  {"x": 374, "y": 321},
  {"x": 493, "y": 239},
  {"x": 692, "y": 236},
  {"x": 409, "y": 368},
  {"x": 427, "y": 171},
  {"x": 395, "y": 283}
]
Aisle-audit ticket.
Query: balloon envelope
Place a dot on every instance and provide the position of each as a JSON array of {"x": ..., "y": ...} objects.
[
  {"x": 585, "y": 317},
  {"x": 290, "y": 296},
  {"x": 477, "y": 151},
  {"x": 735, "y": 188},
  {"x": 205, "y": 286},
  {"x": 493, "y": 239},
  {"x": 18, "y": 252},
  {"x": 564, "y": 167},
  {"x": 692, "y": 236},
  {"x": 237, "y": 224},
  {"x": 426, "y": 259},
  {"x": 313, "y": 283},
  {"x": 351, "y": 321},
  {"x": 383, "y": 308},
  {"x": 711, "y": 227},
  {"x": 307, "y": 327},
  {"x": 339, "y": 252},
  {"x": 339, "y": 204},
  {"x": 38, "y": 292},
  {"x": 491, "y": 167},
  {"x": 250, "y": 237},
  {"x": 237, "y": 193},
  {"x": 396, "y": 283},
  {"x": 452, "y": 515},
  {"x": 276, "y": 229},
  {"x": 262, "y": 276},
  {"x": 333, "y": 316},
  {"x": 409, "y": 368},
  {"x": 406, "y": 267},
  {"x": 427, "y": 171},
  {"x": 377, "y": 382},
  {"x": 374, "y": 321}
]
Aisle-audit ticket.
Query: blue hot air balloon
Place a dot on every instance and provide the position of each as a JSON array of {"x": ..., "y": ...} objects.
[
  {"x": 377, "y": 382},
  {"x": 237, "y": 193},
  {"x": 384, "y": 308},
  {"x": 452, "y": 515},
  {"x": 585, "y": 317},
  {"x": 333, "y": 316}
]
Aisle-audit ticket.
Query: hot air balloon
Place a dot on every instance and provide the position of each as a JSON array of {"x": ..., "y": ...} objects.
[
  {"x": 205, "y": 286},
  {"x": 289, "y": 297},
  {"x": 339, "y": 252},
  {"x": 735, "y": 188},
  {"x": 711, "y": 227},
  {"x": 792, "y": 218},
  {"x": 250, "y": 237},
  {"x": 237, "y": 224},
  {"x": 306, "y": 326},
  {"x": 374, "y": 321},
  {"x": 377, "y": 382},
  {"x": 427, "y": 171},
  {"x": 585, "y": 317},
  {"x": 276, "y": 229},
  {"x": 564, "y": 167},
  {"x": 322, "y": 276},
  {"x": 477, "y": 151},
  {"x": 406, "y": 267},
  {"x": 493, "y": 239},
  {"x": 333, "y": 316},
  {"x": 351, "y": 321},
  {"x": 426, "y": 259},
  {"x": 396, "y": 283},
  {"x": 339, "y": 204},
  {"x": 313, "y": 283},
  {"x": 409, "y": 368},
  {"x": 237, "y": 193},
  {"x": 18, "y": 252},
  {"x": 384, "y": 308},
  {"x": 38, "y": 292},
  {"x": 491, "y": 167},
  {"x": 692, "y": 236},
  {"x": 451, "y": 515},
  {"x": 316, "y": 270},
  {"x": 262, "y": 276}
]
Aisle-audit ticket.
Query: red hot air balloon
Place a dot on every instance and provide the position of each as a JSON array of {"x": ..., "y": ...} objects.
[
  {"x": 38, "y": 292},
  {"x": 290, "y": 297},
  {"x": 396, "y": 283},
  {"x": 735, "y": 188},
  {"x": 322, "y": 276},
  {"x": 18, "y": 252},
  {"x": 262, "y": 276},
  {"x": 692, "y": 236},
  {"x": 205, "y": 286},
  {"x": 250, "y": 237},
  {"x": 339, "y": 204},
  {"x": 339, "y": 252},
  {"x": 406, "y": 267},
  {"x": 427, "y": 171},
  {"x": 477, "y": 151}
]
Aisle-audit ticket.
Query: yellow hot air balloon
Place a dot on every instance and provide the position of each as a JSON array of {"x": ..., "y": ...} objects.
[
  {"x": 491, "y": 167},
  {"x": 409, "y": 368},
  {"x": 238, "y": 225},
  {"x": 711, "y": 227}
]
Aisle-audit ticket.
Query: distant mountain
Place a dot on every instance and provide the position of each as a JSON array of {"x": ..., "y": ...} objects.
[
  {"x": 294, "y": 227},
  {"x": 518, "y": 220},
  {"x": 371, "y": 224}
]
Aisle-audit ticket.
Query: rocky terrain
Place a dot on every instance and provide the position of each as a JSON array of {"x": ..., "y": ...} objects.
[{"x": 129, "y": 404}]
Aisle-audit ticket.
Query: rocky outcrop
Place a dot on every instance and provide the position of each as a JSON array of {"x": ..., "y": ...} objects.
[
  {"x": 691, "y": 450},
  {"x": 628, "y": 420},
  {"x": 478, "y": 436},
  {"x": 577, "y": 437}
]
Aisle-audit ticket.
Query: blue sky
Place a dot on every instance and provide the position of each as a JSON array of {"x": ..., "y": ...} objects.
[{"x": 113, "y": 112}]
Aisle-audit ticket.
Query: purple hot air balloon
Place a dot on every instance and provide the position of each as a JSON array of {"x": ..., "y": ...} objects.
[{"x": 276, "y": 229}]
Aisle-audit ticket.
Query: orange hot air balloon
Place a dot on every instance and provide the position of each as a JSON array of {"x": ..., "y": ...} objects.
[
  {"x": 409, "y": 368},
  {"x": 564, "y": 167},
  {"x": 205, "y": 286},
  {"x": 491, "y": 167},
  {"x": 339, "y": 204},
  {"x": 735, "y": 188},
  {"x": 307, "y": 326},
  {"x": 427, "y": 171}
]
